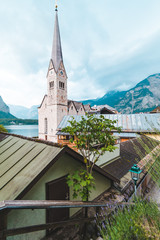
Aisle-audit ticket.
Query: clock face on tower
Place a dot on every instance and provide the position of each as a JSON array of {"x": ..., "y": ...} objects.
[{"x": 61, "y": 73}]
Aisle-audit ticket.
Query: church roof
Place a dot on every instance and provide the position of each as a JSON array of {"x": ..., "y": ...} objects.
[
  {"x": 56, "y": 56},
  {"x": 77, "y": 105},
  {"x": 87, "y": 107}
]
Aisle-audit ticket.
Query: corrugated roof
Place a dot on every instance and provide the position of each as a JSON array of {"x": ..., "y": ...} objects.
[
  {"x": 108, "y": 157},
  {"x": 128, "y": 122},
  {"x": 21, "y": 161},
  {"x": 125, "y": 135},
  {"x": 24, "y": 160}
]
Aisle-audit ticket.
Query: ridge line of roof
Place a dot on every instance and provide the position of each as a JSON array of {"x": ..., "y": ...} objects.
[{"x": 34, "y": 140}]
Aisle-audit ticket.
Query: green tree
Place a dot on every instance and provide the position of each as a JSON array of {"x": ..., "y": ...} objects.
[
  {"x": 92, "y": 137},
  {"x": 3, "y": 129}
]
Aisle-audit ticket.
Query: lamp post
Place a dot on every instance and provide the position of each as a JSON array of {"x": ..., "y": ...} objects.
[{"x": 135, "y": 174}]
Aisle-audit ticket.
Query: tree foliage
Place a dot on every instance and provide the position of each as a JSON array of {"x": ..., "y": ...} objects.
[
  {"x": 3, "y": 129},
  {"x": 18, "y": 121},
  {"x": 92, "y": 137},
  {"x": 82, "y": 183}
]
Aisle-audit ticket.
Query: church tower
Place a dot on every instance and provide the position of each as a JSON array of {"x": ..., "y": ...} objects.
[{"x": 54, "y": 104}]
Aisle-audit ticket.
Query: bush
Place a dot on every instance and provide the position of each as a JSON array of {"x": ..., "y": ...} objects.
[
  {"x": 135, "y": 222},
  {"x": 3, "y": 129}
]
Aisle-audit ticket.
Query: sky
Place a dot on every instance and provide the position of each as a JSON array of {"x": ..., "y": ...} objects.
[{"x": 107, "y": 45}]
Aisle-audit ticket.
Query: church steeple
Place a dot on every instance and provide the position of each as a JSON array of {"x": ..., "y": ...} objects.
[
  {"x": 55, "y": 104},
  {"x": 56, "y": 55}
]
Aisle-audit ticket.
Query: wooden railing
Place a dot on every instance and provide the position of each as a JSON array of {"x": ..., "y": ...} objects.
[{"x": 5, "y": 206}]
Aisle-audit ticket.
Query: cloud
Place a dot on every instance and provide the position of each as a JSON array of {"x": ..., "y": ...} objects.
[{"x": 106, "y": 46}]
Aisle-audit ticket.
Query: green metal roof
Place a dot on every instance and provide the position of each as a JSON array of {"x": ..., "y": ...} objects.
[
  {"x": 108, "y": 157},
  {"x": 24, "y": 160},
  {"x": 21, "y": 161}
]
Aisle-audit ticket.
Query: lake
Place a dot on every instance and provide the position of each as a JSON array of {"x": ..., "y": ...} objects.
[{"x": 24, "y": 130}]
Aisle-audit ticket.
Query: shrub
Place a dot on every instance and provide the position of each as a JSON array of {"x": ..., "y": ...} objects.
[{"x": 140, "y": 221}]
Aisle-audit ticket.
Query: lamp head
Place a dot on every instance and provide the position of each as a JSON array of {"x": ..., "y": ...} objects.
[{"x": 135, "y": 172}]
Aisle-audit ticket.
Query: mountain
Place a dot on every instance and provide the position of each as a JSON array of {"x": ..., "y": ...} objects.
[
  {"x": 24, "y": 112},
  {"x": 144, "y": 97},
  {"x": 111, "y": 98},
  {"x": 4, "y": 110},
  {"x": 3, "y": 106},
  {"x": 4, "y": 115}
]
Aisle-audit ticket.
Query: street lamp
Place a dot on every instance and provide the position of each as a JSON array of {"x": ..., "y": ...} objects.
[{"x": 135, "y": 174}]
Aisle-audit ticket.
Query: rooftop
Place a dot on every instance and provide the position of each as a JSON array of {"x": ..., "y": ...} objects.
[
  {"x": 132, "y": 152},
  {"x": 128, "y": 122},
  {"x": 23, "y": 161}
]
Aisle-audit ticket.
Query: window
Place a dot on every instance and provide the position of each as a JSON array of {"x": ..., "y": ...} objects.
[
  {"x": 45, "y": 126},
  {"x": 51, "y": 84},
  {"x": 61, "y": 85},
  {"x": 65, "y": 137}
]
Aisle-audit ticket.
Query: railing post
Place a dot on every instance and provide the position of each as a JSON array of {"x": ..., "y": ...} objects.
[{"x": 3, "y": 224}]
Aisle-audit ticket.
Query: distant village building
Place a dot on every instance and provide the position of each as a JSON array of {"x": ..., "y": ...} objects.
[
  {"x": 103, "y": 109},
  {"x": 156, "y": 110}
]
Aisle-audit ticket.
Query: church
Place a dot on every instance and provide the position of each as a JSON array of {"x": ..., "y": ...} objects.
[{"x": 55, "y": 105}]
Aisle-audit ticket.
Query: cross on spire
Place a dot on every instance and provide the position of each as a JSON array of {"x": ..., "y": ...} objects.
[{"x": 56, "y": 5}]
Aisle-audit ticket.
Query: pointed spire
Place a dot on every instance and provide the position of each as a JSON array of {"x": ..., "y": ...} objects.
[{"x": 56, "y": 48}]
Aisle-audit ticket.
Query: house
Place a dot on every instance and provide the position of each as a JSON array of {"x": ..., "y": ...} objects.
[
  {"x": 103, "y": 109},
  {"x": 143, "y": 151},
  {"x": 156, "y": 110},
  {"x": 36, "y": 170},
  {"x": 131, "y": 125}
]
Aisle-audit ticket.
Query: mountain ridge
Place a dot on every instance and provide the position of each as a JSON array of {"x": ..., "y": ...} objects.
[
  {"x": 24, "y": 112},
  {"x": 144, "y": 96},
  {"x": 3, "y": 106}
]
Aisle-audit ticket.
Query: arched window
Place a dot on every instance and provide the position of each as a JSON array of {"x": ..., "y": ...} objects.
[
  {"x": 61, "y": 85},
  {"x": 45, "y": 126},
  {"x": 51, "y": 84}
]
